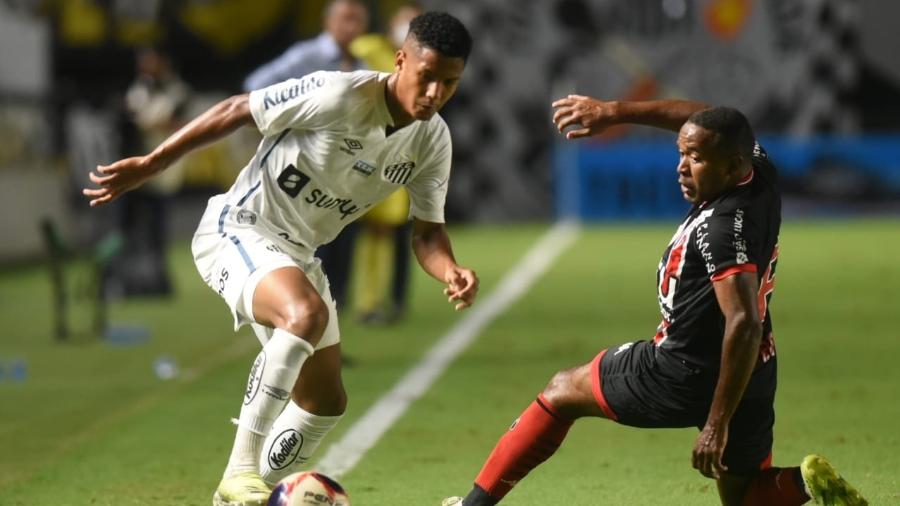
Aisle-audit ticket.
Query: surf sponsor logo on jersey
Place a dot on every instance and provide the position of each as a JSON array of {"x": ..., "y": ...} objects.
[
  {"x": 283, "y": 94},
  {"x": 363, "y": 167},
  {"x": 399, "y": 173},
  {"x": 322, "y": 200},
  {"x": 292, "y": 182},
  {"x": 351, "y": 145}
]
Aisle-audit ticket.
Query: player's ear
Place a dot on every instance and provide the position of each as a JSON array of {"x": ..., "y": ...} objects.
[
  {"x": 735, "y": 163},
  {"x": 399, "y": 59}
]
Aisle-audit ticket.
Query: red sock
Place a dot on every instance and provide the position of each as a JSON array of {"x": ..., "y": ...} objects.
[
  {"x": 776, "y": 486},
  {"x": 531, "y": 440}
]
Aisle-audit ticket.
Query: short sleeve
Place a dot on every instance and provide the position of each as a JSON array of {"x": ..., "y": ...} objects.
[
  {"x": 723, "y": 242},
  {"x": 296, "y": 103},
  {"x": 428, "y": 190}
]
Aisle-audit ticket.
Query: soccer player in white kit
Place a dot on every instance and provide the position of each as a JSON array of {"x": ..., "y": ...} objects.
[{"x": 334, "y": 145}]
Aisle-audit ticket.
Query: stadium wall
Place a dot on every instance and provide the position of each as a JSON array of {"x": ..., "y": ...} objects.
[{"x": 635, "y": 180}]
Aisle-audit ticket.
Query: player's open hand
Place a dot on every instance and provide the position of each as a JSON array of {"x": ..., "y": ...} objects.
[
  {"x": 708, "y": 450},
  {"x": 118, "y": 178},
  {"x": 590, "y": 116},
  {"x": 462, "y": 286}
]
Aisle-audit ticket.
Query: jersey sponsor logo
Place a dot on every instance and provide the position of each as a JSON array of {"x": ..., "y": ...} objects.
[
  {"x": 223, "y": 279},
  {"x": 351, "y": 146},
  {"x": 322, "y": 200},
  {"x": 245, "y": 217},
  {"x": 286, "y": 237},
  {"x": 292, "y": 181},
  {"x": 702, "y": 241},
  {"x": 285, "y": 449},
  {"x": 276, "y": 392},
  {"x": 275, "y": 97},
  {"x": 740, "y": 245},
  {"x": 364, "y": 168},
  {"x": 399, "y": 173},
  {"x": 623, "y": 348}
]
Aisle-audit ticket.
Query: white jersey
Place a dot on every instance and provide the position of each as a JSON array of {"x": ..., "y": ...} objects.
[{"x": 326, "y": 159}]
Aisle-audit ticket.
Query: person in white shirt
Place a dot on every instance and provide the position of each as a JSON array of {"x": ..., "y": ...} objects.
[{"x": 334, "y": 145}]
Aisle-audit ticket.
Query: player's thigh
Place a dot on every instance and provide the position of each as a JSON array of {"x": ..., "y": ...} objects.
[
  {"x": 332, "y": 334},
  {"x": 320, "y": 388},
  {"x": 641, "y": 386},
  {"x": 234, "y": 264},
  {"x": 286, "y": 298}
]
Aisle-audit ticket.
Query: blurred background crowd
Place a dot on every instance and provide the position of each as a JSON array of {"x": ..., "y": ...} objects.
[{"x": 86, "y": 82}]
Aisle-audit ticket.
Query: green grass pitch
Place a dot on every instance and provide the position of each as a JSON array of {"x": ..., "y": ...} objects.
[{"x": 92, "y": 424}]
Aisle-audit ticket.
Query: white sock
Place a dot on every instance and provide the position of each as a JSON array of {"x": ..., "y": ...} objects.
[
  {"x": 292, "y": 440},
  {"x": 272, "y": 377}
]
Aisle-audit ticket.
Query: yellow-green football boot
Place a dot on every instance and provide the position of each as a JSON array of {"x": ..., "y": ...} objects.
[
  {"x": 244, "y": 489},
  {"x": 826, "y": 486}
]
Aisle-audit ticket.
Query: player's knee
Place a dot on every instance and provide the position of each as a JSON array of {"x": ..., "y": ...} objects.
[
  {"x": 306, "y": 319},
  {"x": 565, "y": 394},
  {"x": 558, "y": 391}
]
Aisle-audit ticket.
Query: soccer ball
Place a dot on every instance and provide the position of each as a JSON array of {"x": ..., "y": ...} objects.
[{"x": 308, "y": 488}]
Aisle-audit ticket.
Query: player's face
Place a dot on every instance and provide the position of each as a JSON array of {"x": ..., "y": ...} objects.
[
  {"x": 703, "y": 171},
  {"x": 426, "y": 79}
]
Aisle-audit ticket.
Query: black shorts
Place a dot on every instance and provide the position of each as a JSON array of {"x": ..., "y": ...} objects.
[{"x": 641, "y": 385}]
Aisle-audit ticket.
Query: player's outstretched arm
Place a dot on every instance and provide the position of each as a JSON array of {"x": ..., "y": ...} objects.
[
  {"x": 431, "y": 245},
  {"x": 217, "y": 122},
  {"x": 736, "y": 296},
  {"x": 590, "y": 116}
]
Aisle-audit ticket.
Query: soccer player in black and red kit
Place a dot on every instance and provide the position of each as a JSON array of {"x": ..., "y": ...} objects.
[{"x": 712, "y": 362}]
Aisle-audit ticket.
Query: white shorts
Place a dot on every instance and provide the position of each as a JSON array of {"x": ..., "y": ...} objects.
[{"x": 234, "y": 263}]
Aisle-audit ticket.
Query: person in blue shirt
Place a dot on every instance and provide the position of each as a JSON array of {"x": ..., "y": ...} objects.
[{"x": 343, "y": 21}]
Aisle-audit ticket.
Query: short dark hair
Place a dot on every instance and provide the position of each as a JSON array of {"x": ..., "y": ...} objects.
[
  {"x": 735, "y": 136},
  {"x": 443, "y": 33}
]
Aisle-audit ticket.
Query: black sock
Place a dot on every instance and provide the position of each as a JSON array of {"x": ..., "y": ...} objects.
[{"x": 478, "y": 497}]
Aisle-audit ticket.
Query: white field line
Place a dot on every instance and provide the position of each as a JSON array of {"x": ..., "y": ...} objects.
[{"x": 343, "y": 455}]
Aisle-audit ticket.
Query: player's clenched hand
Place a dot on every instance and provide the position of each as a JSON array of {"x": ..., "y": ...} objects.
[
  {"x": 591, "y": 116},
  {"x": 462, "y": 286},
  {"x": 118, "y": 178},
  {"x": 708, "y": 450}
]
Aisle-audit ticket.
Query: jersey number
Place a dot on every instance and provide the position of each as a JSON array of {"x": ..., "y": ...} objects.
[
  {"x": 292, "y": 181},
  {"x": 767, "y": 286}
]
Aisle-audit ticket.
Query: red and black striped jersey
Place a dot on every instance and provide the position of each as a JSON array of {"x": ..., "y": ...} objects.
[{"x": 738, "y": 231}]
